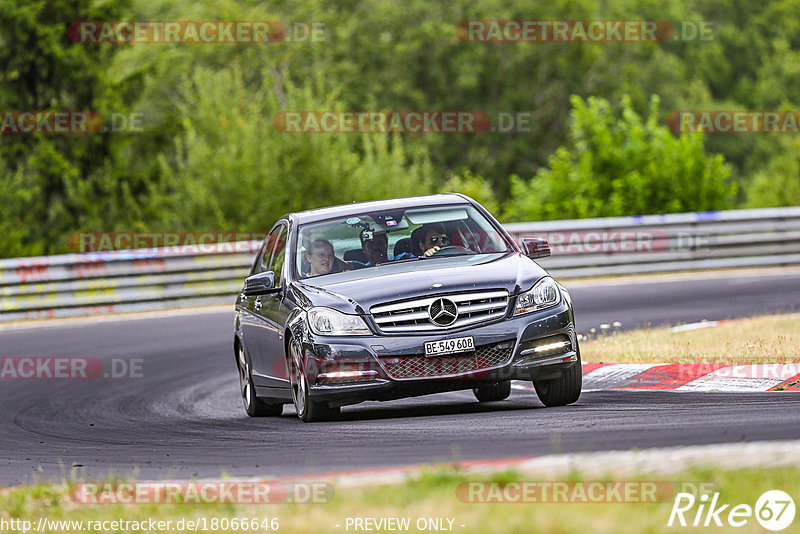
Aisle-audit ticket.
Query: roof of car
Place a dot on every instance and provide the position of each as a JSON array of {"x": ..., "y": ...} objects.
[{"x": 344, "y": 210}]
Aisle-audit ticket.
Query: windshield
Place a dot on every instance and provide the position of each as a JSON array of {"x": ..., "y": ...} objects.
[{"x": 371, "y": 239}]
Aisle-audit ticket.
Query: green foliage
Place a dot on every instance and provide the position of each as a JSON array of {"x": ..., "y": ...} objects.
[
  {"x": 620, "y": 166},
  {"x": 16, "y": 195},
  {"x": 47, "y": 180},
  {"x": 475, "y": 187},
  {"x": 210, "y": 158},
  {"x": 779, "y": 183},
  {"x": 233, "y": 170}
]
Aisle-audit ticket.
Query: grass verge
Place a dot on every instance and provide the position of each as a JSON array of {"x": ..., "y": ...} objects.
[
  {"x": 768, "y": 339},
  {"x": 438, "y": 495}
]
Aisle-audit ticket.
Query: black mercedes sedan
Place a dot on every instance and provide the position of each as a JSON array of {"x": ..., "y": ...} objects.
[{"x": 397, "y": 298}]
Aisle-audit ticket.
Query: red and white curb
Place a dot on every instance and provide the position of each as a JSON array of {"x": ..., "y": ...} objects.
[{"x": 691, "y": 377}]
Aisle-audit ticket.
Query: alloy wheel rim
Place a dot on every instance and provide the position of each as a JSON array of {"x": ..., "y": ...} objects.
[
  {"x": 244, "y": 379},
  {"x": 298, "y": 379}
]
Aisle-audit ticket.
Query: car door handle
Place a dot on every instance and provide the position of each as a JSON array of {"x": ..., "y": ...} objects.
[{"x": 257, "y": 303}]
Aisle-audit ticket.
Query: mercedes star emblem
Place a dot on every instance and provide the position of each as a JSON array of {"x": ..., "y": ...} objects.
[{"x": 443, "y": 312}]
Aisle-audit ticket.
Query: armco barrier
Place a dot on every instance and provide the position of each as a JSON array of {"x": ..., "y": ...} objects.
[
  {"x": 121, "y": 281},
  {"x": 668, "y": 243}
]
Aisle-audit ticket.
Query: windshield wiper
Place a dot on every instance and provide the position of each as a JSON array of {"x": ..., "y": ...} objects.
[
  {"x": 404, "y": 260},
  {"x": 451, "y": 255}
]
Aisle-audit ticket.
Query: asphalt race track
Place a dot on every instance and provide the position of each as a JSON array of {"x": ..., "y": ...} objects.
[{"x": 183, "y": 417}]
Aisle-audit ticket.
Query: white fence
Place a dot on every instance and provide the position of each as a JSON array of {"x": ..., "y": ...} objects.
[{"x": 120, "y": 281}]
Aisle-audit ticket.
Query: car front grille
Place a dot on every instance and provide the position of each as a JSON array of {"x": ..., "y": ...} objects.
[
  {"x": 419, "y": 366},
  {"x": 411, "y": 316}
]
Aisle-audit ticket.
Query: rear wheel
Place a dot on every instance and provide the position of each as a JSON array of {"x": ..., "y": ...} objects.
[
  {"x": 562, "y": 390},
  {"x": 307, "y": 409},
  {"x": 254, "y": 406},
  {"x": 493, "y": 392}
]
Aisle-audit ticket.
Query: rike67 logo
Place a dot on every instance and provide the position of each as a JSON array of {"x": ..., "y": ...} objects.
[{"x": 774, "y": 510}]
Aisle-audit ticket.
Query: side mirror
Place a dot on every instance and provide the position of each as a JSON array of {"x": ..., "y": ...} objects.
[
  {"x": 260, "y": 284},
  {"x": 536, "y": 247}
]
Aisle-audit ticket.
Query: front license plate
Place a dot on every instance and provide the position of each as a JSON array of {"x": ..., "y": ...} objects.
[{"x": 449, "y": 346}]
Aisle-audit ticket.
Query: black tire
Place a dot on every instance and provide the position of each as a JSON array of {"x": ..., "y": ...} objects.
[
  {"x": 254, "y": 406},
  {"x": 562, "y": 390},
  {"x": 493, "y": 392},
  {"x": 308, "y": 410}
]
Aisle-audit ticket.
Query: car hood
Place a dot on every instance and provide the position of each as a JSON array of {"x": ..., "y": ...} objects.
[{"x": 357, "y": 291}]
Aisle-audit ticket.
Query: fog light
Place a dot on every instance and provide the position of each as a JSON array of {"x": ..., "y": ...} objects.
[
  {"x": 547, "y": 347},
  {"x": 346, "y": 374},
  {"x": 557, "y": 346}
]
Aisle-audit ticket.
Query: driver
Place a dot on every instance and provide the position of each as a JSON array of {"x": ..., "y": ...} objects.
[
  {"x": 375, "y": 245},
  {"x": 432, "y": 237}
]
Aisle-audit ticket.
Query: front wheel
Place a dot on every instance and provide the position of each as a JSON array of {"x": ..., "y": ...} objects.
[
  {"x": 254, "y": 406},
  {"x": 493, "y": 392},
  {"x": 562, "y": 390},
  {"x": 307, "y": 409}
]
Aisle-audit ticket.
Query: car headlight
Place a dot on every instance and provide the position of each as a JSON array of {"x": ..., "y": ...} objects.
[
  {"x": 328, "y": 322},
  {"x": 543, "y": 295}
]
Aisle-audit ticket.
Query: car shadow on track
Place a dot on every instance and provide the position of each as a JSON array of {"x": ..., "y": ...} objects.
[{"x": 382, "y": 411}]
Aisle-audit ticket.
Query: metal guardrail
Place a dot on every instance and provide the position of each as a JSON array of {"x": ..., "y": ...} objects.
[
  {"x": 151, "y": 279},
  {"x": 122, "y": 281},
  {"x": 668, "y": 243}
]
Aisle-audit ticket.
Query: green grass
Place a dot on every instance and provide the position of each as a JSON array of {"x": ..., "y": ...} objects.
[
  {"x": 756, "y": 340},
  {"x": 433, "y": 494}
]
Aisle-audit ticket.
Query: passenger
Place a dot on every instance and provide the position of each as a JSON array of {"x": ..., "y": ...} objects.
[
  {"x": 431, "y": 237},
  {"x": 375, "y": 246},
  {"x": 321, "y": 258}
]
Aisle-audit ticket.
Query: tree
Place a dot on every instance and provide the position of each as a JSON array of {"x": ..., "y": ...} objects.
[
  {"x": 779, "y": 183},
  {"x": 40, "y": 70},
  {"x": 475, "y": 187},
  {"x": 233, "y": 170},
  {"x": 622, "y": 165}
]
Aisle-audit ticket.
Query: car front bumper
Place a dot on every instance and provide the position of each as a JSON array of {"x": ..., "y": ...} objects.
[{"x": 352, "y": 369}]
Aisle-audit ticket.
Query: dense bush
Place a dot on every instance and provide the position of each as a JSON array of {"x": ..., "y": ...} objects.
[
  {"x": 232, "y": 170},
  {"x": 779, "y": 183},
  {"x": 621, "y": 165}
]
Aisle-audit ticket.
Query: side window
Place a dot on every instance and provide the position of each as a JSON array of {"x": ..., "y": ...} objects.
[
  {"x": 262, "y": 259},
  {"x": 278, "y": 253}
]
